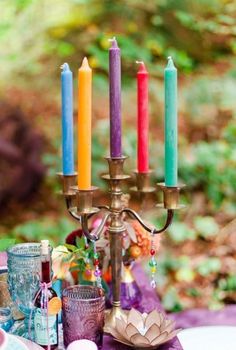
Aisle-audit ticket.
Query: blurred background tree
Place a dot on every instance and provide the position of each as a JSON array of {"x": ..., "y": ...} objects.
[{"x": 37, "y": 36}]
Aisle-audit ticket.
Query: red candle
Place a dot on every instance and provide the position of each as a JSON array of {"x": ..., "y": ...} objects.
[{"x": 143, "y": 123}]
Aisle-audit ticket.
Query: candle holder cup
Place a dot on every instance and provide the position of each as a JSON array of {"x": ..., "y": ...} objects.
[
  {"x": 114, "y": 217},
  {"x": 170, "y": 196},
  {"x": 84, "y": 200},
  {"x": 68, "y": 182},
  {"x": 143, "y": 182}
]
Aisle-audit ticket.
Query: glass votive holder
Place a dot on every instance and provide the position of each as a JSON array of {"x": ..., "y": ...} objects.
[
  {"x": 6, "y": 320},
  {"x": 83, "y": 310}
]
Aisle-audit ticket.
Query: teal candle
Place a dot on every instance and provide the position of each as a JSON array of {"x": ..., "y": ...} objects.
[
  {"x": 67, "y": 120},
  {"x": 171, "y": 134}
]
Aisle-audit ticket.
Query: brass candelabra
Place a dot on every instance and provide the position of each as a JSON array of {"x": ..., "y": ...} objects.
[{"x": 80, "y": 206}]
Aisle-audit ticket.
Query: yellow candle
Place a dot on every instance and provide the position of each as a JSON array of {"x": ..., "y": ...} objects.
[{"x": 84, "y": 126}]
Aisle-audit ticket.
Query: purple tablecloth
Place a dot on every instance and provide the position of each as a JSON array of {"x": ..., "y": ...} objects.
[
  {"x": 204, "y": 317},
  {"x": 185, "y": 319}
]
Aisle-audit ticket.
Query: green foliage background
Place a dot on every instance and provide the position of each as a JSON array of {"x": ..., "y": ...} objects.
[{"x": 37, "y": 36}]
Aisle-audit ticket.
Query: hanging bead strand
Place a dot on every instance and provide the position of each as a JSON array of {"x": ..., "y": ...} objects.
[
  {"x": 97, "y": 272},
  {"x": 153, "y": 262}
]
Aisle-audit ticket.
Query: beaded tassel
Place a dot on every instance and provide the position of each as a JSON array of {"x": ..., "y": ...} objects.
[
  {"x": 88, "y": 270},
  {"x": 153, "y": 262},
  {"x": 97, "y": 272}
]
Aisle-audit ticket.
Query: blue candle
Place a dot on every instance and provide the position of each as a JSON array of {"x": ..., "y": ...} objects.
[
  {"x": 67, "y": 120},
  {"x": 171, "y": 133}
]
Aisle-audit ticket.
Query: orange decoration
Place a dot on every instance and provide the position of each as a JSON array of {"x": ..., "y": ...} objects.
[
  {"x": 54, "y": 306},
  {"x": 135, "y": 251},
  {"x": 144, "y": 240},
  {"x": 107, "y": 275}
]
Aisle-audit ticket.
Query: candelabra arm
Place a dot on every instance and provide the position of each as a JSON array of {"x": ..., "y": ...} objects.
[
  {"x": 69, "y": 200},
  {"x": 94, "y": 235},
  {"x": 72, "y": 213},
  {"x": 106, "y": 207},
  {"x": 133, "y": 214}
]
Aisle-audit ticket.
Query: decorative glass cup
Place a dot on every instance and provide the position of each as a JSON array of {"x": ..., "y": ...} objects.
[
  {"x": 83, "y": 310},
  {"x": 6, "y": 320},
  {"x": 24, "y": 270}
]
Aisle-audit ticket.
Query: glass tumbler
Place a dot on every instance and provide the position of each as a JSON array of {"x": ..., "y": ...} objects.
[
  {"x": 6, "y": 320},
  {"x": 83, "y": 310},
  {"x": 24, "y": 270}
]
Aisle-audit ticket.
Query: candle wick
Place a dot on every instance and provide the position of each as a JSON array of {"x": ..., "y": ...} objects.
[
  {"x": 85, "y": 63},
  {"x": 170, "y": 63},
  {"x": 114, "y": 43},
  {"x": 65, "y": 66},
  {"x": 112, "y": 39}
]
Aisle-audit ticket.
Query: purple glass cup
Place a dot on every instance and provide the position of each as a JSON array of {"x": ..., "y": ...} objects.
[{"x": 83, "y": 310}]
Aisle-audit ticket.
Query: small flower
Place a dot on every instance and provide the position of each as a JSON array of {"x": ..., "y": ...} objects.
[{"x": 60, "y": 267}]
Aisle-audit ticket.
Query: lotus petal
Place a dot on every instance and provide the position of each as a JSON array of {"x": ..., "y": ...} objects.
[
  {"x": 139, "y": 340},
  {"x": 143, "y": 330},
  {"x": 161, "y": 338},
  {"x": 169, "y": 323},
  {"x": 119, "y": 337},
  {"x": 168, "y": 328},
  {"x": 153, "y": 332},
  {"x": 131, "y": 330},
  {"x": 124, "y": 318},
  {"x": 120, "y": 326},
  {"x": 161, "y": 317},
  {"x": 135, "y": 317},
  {"x": 173, "y": 334},
  {"x": 144, "y": 315},
  {"x": 153, "y": 317}
]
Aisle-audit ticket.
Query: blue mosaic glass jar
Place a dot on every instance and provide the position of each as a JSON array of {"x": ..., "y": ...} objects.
[{"x": 6, "y": 320}]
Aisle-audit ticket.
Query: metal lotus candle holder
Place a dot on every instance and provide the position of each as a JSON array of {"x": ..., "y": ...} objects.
[{"x": 80, "y": 206}]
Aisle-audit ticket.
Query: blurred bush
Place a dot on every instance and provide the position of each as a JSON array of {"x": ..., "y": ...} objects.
[{"x": 38, "y": 35}]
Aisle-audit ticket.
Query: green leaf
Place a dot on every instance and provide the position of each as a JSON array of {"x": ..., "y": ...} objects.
[
  {"x": 206, "y": 226},
  {"x": 68, "y": 257},
  {"x": 80, "y": 242},
  {"x": 171, "y": 301},
  {"x": 71, "y": 247},
  {"x": 179, "y": 232},
  {"x": 193, "y": 292},
  {"x": 208, "y": 266},
  {"x": 228, "y": 284},
  {"x": 6, "y": 243},
  {"x": 185, "y": 274}
]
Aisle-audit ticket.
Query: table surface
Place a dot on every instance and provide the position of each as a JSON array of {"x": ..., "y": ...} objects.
[{"x": 185, "y": 319}]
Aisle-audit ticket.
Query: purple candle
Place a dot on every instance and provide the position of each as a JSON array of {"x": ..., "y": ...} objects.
[{"x": 115, "y": 100}]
